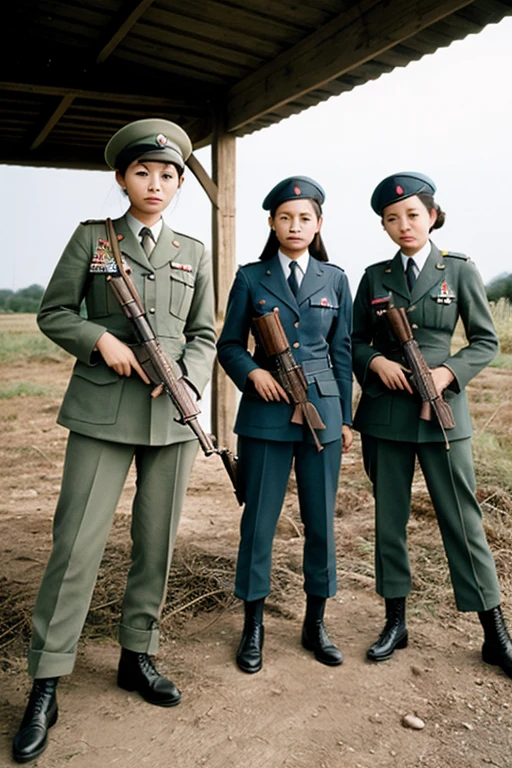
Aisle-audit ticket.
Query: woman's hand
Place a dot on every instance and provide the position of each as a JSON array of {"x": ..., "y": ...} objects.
[
  {"x": 442, "y": 377},
  {"x": 266, "y": 386},
  {"x": 119, "y": 356},
  {"x": 390, "y": 373},
  {"x": 347, "y": 438}
]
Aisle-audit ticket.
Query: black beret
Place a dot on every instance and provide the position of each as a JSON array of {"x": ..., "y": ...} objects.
[
  {"x": 293, "y": 188},
  {"x": 398, "y": 187}
]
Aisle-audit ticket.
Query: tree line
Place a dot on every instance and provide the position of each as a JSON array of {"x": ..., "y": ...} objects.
[
  {"x": 24, "y": 300},
  {"x": 28, "y": 299}
]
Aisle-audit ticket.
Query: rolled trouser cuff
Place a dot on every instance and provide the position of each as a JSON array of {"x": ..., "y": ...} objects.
[
  {"x": 46, "y": 664},
  {"x": 139, "y": 640}
]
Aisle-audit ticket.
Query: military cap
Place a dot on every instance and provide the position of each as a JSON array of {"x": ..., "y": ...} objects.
[
  {"x": 150, "y": 139},
  {"x": 293, "y": 188},
  {"x": 398, "y": 187}
]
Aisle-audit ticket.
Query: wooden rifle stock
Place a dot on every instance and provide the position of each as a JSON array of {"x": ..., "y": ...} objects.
[
  {"x": 290, "y": 375},
  {"x": 421, "y": 373},
  {"x": 158, "y": 366}
]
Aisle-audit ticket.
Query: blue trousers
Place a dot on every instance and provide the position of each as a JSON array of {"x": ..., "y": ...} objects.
[{"x": 264, "y": 468}]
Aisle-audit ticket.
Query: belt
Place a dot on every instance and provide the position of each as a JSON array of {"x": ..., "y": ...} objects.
[{"x": 316, "y": 366}]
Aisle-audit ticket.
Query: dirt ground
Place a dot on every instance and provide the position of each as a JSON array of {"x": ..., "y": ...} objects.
[{"x": 296, "y": 713}]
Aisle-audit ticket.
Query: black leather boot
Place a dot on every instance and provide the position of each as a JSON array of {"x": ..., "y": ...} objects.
[
  {"x": 41, "y": 713},
  {"x": 394, "y": 635},
  {"x": 137, "y": 672},
  {"x": 316, "y": 639},
  {"x": 249, "y": 655},
  {"x": 497, "y": 647}
]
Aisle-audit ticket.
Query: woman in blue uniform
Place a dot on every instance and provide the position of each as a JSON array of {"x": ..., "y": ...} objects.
[
  {"x": 113, "y": 419},
  {"x": 436, "y": 288},
  {"x": 314, "y": 303}
]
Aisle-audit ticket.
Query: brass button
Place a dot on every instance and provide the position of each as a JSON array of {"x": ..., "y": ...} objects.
[
  {"x": 414, "y": 325},
  {"x": 152, "y": 310},
  {"x": 296, "y": 325},
  {"x": 151, "y": 276},
  {"x": 296, "y": 344}
]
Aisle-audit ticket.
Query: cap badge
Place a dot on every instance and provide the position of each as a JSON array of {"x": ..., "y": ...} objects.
[
  {"x": 297, "y": 190},
  {"x": 399, "y": 190},
  {"x": 161, "y": 139}
]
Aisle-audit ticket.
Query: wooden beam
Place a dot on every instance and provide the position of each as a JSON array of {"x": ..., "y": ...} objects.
[
  {"x": 122, "y": 23},
  {"x": 205, "y": 181},
  {"x": 52, "y": 120},
  {"x": 354, "y": 37},
  {"x": 224, "y": 396}
]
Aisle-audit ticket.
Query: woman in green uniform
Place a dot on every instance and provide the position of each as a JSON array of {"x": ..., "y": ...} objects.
[
  {"x": 314, "y": 303},
  {"x": 436, "y": 288},
  {"x": 114, "y": 417}
]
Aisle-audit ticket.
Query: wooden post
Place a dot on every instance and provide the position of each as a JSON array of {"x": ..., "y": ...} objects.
[{"x": 224, "y": 397}]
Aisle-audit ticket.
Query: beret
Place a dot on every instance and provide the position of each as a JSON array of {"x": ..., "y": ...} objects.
[
  {"x": 293, "y": 188},
  {"x": 398, "y": 187},
  {"x": 149, "y": 139}
]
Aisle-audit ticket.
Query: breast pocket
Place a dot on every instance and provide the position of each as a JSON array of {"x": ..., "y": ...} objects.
[
  {"x": 442, "y": 315},
  {"x": 182, "y": 291}
]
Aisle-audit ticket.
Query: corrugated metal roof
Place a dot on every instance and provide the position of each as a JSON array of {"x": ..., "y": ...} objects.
[{"x": 73, "y": 71}]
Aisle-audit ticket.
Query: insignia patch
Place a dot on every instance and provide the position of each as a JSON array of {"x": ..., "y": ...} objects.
[
  {"x": 183, "y": 267},
  {"x": 399, "y": 190},
  {"x": 324, "y": 302},
  {"x": 381, "y": 300},
  {"x": 103, "y": 259},
  {"x": 445, "y": 294},
  {"x": 440, "y": 265},
  {"x": 262, "y": 301},
  {"x": 175, "y": 243},
  {"x": 297, "y": 190}
]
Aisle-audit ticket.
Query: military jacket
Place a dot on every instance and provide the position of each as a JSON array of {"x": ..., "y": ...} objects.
[
  {"x": 177, "y": 291},
  {"x": 448, "y": 288},
  {"x": 317, "y": 323}
]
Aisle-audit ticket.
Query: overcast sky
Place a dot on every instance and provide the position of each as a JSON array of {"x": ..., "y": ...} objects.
[{"x": 448, "y": 115}]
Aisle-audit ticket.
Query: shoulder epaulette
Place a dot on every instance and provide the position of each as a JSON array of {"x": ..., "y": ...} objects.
[
  {"x": 330, "y": 264},
  {"x": 384, "y": 263},
  {"x": 454, "y": 255},
  {"x": 188, "y": 237},
  {"x": 93, "y": 221},
  {"x": 250, "y": 264}
]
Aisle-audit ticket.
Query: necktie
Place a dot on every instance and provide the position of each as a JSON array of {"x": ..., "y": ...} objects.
[
  {"x": 147, "y": 241},
  {"x": 292, "y": 280},
  {"x": 410, "y": 273}
]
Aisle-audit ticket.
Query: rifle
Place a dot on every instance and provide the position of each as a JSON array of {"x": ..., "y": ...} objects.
[
  {"x": 421, "y": 373},
  {"x": 159, "y": 367},
  {"x": 290, "y": 375}
]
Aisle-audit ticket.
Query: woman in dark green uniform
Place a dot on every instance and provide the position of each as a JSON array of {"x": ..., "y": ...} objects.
[
  {"x": 436, "y": 289},
  {"x": 315, "y": 305},
  {"x": 113, "y": 418}
]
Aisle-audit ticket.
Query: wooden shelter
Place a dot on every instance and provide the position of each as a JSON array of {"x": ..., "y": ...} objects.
[{"x": 74, "y": 71}]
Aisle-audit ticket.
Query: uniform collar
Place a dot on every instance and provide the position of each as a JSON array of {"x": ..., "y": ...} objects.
[
  {"x": 136, "y": 225},
  {"x": 419, "y": 258},
  {"x": 302, "y": 261}
]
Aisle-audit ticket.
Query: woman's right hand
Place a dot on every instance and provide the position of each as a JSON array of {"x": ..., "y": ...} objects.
[
  {"x": 390, "y": 373},
  {"x": 266, "y": 386},
  {"x": 119, "y": 356}
]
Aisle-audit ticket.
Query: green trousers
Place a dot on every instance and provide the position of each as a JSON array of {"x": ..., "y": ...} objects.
[
  {"x": 94, "y": 475},
  {"x": 451, "y": 483}
]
